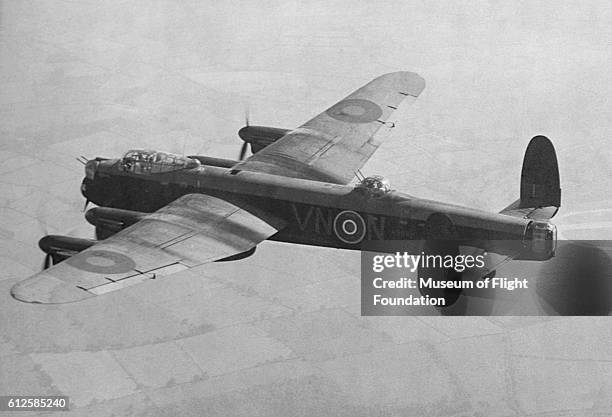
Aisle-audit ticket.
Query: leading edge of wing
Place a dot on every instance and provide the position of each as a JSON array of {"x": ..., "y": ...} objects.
[
  {"x": 193, "y": 230},
  {"x": 333, "y": 145}
]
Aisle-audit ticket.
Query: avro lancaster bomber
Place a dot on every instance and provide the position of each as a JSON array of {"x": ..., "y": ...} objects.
[{"x": 160, "y": 213}]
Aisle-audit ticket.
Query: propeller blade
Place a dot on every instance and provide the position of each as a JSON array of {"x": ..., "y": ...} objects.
[
  {"x": 243, "y": 151},
  {"x": 577, "y": 280},
  {"x": 47, "y": 261}
]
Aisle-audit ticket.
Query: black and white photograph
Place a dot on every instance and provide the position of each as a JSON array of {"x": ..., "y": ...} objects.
[{"x": 305, "y": 208}]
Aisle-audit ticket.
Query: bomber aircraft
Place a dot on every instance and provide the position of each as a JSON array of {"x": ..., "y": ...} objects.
[{"x": 160, "y": 213}]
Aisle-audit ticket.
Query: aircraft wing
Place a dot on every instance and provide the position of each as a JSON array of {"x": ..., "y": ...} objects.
[
  {"x": 332, "y": 146},
  {"x": 190, "y": 231}
]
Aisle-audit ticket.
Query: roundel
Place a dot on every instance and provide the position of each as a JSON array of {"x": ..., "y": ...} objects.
[
  {"x": 102, "y": 262},
  {"x": 349, "y": 227},
  {"x": 355, "y": 110}
]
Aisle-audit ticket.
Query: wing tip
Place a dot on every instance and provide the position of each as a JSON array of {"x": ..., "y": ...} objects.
[
  {"x": 46, "y": 289},
  {"x": 410, "y": 82},
  {"x": 21, "y": 293}
]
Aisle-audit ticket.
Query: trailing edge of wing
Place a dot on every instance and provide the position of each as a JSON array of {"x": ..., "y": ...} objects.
[{"x": 193, "y": 230}]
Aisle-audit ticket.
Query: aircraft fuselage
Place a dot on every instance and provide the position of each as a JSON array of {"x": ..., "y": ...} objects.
[{"x": 316, "y": 213}]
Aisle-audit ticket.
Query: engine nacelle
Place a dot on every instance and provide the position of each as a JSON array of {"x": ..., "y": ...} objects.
[
  {"x": 59, "y": 248},
  {"x": 109, "y": 221},
  {"x": 261, "y": 136},
  {"x": 214, "y": 162}
]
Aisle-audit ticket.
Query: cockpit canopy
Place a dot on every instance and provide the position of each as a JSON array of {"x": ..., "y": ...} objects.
[
  {"x": 140, "y": 161},
  {"x": 376, "y": 184}
]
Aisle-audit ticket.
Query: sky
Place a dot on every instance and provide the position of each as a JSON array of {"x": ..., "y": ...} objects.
[{"x": 255, "y": 336}]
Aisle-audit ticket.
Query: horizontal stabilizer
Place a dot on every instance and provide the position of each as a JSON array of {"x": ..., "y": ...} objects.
[{"x": 540, "y": 186}]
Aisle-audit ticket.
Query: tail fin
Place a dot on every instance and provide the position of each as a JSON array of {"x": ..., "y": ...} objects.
[{"x": 540, "y": 187}]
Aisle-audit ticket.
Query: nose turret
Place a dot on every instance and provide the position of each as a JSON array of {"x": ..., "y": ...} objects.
[
  {"x": 98, "y": 182},
  {"x": 90, "y": 168}
]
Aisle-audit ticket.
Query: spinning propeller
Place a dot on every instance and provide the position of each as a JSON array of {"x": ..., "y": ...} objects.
[
  {"x": 245, "y": 145},
  {"x": 48, "y": 261},
  {"x": 243, "y": 151},
  {"x": 577, "y": 280}
]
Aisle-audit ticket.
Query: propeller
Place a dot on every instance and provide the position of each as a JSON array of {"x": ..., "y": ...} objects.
[
  {"x": 243, "y": 151},
  {"x": 42, "y": 218},
  {"x": 48, "y": 261},
  {"x": 577, "y": 280},
  {"x": 245, "y": 145}
]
